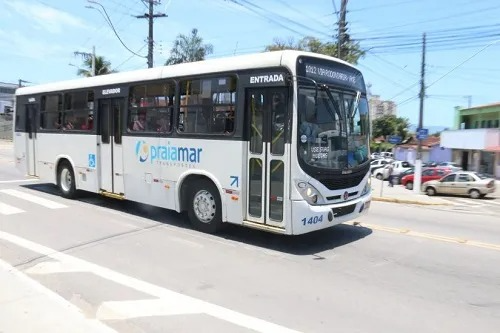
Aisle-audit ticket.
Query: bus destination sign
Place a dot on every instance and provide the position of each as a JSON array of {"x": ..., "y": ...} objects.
[{"x": 331, "y": 73}]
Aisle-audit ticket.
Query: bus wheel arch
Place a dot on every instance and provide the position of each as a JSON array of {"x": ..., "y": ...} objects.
[
  {"x": 200, "y": 197},
  {"x": 65, "y": 178}
]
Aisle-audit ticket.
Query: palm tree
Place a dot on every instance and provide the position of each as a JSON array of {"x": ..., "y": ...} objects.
[
  {"x": 188, "y": 49},
  {"x": 102, "y": 67}
]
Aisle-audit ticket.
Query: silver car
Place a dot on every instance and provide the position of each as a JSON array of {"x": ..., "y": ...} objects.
[{"x": 469, "y": 183}]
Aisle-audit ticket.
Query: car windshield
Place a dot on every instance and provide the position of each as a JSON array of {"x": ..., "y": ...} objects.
[{"x": 333, "y": 128}]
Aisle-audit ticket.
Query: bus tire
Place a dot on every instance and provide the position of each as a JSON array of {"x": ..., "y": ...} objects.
[
  {"x": 66, "y": 180},
  {"x": 204, "y": 206}
]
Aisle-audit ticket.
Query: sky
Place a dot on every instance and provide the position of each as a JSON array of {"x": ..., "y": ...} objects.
[{"x": 38, "y": 39}]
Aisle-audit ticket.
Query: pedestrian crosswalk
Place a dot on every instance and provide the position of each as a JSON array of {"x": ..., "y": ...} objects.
[
  {"x": 486, "y": 205},
  {"x": 7, "y": 207}
]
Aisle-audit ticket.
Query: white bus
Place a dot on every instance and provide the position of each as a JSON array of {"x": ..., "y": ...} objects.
[{"x": 277, "y": 141}]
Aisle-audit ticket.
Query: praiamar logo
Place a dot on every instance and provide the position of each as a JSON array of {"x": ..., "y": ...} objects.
[
  {"x": 167, "y": 153},
  {"x": 142, "y": 151}
]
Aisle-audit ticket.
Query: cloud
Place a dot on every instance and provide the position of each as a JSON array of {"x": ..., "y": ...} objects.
[
  {"x": 16, "y": 44},
  {"x": 47, "y": 18}
]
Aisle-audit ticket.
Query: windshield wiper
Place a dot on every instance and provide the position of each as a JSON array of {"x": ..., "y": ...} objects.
[
  {"x": 355, "y": 105},
  {"x": 335, "y": 105}
]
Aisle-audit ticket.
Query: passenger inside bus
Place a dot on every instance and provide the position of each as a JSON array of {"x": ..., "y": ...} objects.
[
  {"x": 163, "y": 122},
  {"x": 309, "y": 129},
  {"x": 140, "y": 123}
]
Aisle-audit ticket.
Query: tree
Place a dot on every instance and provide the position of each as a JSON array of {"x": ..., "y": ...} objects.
[
  {"x": 390, "y": 125},
  {"x": 188, "y": 49},
  {"x": 352, "y": 52},
  {"x": 102, "y": 67}
]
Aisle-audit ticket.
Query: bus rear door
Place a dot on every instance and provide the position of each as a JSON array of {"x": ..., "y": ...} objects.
[
  {"x": 31, "y": 112},
  {"x": 266, "y": 109},
  {"x": 110, "y": 159}
]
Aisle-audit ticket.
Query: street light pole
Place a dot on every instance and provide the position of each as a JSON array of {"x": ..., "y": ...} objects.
[{"x": 417, "y": 181}]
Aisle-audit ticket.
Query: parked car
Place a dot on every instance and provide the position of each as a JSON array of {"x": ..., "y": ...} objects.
[
  {"x": 427, "y": 175},
  {"x": 397, "y": 180},
  {"x": 452, "y": 165},
  {"x": 469, "y": 183},
  {"x": 378, "y": 163},
  {"x": 398, "y": 167}
]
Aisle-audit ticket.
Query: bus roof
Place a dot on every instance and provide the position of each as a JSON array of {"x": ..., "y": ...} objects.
[{"x": 286, "y": 58}]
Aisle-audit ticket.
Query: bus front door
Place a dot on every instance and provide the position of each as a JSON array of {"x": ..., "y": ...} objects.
[
  {"x": 267, "y": 114},
  {"x": 31, "y": 111},
  {"x": 110, "y": 115}
]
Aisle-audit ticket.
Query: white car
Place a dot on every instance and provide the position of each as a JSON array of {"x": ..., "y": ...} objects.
[
  {"x": 398, "y": 168},
  {"x": 378, "y": 164}
]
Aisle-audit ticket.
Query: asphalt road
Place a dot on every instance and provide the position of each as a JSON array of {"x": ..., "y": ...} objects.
[{"x": 137, "y": 268}]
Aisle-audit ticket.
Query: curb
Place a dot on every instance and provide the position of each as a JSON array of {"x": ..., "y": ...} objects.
[{"x": 414, "y": 202}]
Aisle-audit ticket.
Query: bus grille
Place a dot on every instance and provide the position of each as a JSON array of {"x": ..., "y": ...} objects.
[
  {"x": 344, "y": 210},
  {"x": 337, "y": 182}
]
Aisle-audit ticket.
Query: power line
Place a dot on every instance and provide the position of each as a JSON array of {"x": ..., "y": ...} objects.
[
  {"x": 258, "y": 10},
  {"x": 463, "y": 62},
  {"x": 107, "y": 18},
  {"x": 151, "y": 16}
]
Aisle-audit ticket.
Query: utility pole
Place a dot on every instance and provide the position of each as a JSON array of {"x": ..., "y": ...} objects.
[
  {"x": 342, "y": 28},
  {"x": 151, "y": 16},
  {"x": 91, "y": 56},
  {"x": 469, "y": 100},
  {"x": 418, "y": 163},
  {"x": 21, "y": 81}
]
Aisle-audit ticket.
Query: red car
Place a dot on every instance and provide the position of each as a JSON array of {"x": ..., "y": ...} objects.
[{"x": 427, "y": 174}]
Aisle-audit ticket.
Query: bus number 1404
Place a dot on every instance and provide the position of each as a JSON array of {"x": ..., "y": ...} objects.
[{"x": 312, "y": 220}]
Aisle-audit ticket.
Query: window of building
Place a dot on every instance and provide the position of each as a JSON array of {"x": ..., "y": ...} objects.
[
  {"x": 50, "y": 111},
  {"x": 151, "y": 107},
  {"x": 207, "y": 105},
  {"x": 497, "y": 123},
  {"x": 78, "y": 113}
]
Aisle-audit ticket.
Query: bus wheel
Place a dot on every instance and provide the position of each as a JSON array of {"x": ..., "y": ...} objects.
[
  {"x": 66, "y": 181},
  {"x": 204, "y": 206}
]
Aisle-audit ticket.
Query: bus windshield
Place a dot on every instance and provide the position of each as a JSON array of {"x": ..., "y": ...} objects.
[{"x": 333, "y": 128}]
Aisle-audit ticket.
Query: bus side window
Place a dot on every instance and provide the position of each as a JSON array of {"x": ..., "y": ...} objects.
[
  {"x": 150, "y": 107},
  {"x": 207, "y": 105},
  {"x": 51, "y": 112}
]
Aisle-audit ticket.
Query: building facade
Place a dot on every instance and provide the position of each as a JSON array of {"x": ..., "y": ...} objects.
[
  {"x": 379, "y": 108},
  {"x": 475, "y": 140},
  {"x": 432, "y": 151},
  {"x": 7, "y": 91}
]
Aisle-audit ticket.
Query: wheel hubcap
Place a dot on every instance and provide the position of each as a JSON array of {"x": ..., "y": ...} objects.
[
  {"x": 204, "y": 206},
  {"x": 66, "y": 180}
]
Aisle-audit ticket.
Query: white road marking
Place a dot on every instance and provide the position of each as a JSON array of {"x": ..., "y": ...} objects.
[
  {"x": 33, "y": 198},
  {"x": 495, "y": 202},
  {"x": 32, "y": 307},
  {"x": 9, "y": 210},
  {"x": 17, "y": 181},
  {"x": 51, "y": 267},
  {"x": 144, "y": 308},
  {"x": 470, "y": 202},
  {"x": 166, "y": 295}
]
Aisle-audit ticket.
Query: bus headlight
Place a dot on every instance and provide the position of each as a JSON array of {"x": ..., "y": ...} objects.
[
  {"x": 367, "y": 188},
  {"x": 309, "y": 193}
]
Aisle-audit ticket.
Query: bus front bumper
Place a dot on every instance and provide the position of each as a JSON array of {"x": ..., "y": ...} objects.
[{"x": 307, "y": 218}]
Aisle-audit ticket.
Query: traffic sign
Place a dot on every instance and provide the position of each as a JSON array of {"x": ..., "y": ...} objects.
[
  {"x": 422, "y": 133},
  {"x": 394, "y": 139}
]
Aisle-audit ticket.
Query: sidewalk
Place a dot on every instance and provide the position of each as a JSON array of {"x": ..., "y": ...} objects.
[
  {"x": 399, "y": 194},
  {"x": 27, "y": 306}
]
